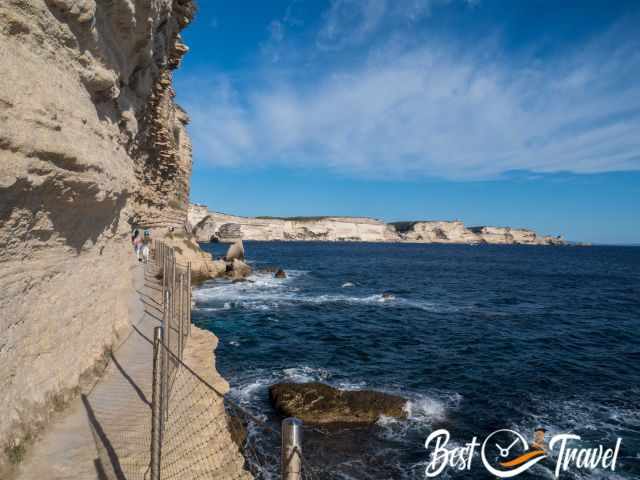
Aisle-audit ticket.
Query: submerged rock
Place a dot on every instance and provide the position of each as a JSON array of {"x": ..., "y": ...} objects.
[
  {"x": 241, "y": 280},
  {"x": 237, "y": 428},
  {"x": 318, "y": 403},
  {"x": 268, "y": 270}
]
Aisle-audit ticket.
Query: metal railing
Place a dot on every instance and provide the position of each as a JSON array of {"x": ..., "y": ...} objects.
[{"x": 196, "y": 432}]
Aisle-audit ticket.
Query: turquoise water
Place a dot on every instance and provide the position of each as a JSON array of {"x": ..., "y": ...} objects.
[{"x": 477, "y": 338}]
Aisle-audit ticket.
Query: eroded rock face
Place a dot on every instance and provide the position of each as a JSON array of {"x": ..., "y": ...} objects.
[
  {"x": 235, "y": 252},
  {"x": 197, "y": 213},
  {"x": 91, "y": 143},
  {"x": 436, "y": 232},
  {"x": 187, "y": 251},
  {"x": 206, "y": 230},
  {"x": 230, "y": 228},
  {"x": 318, "y": 403},
  {"x": 214, "y": 226},
  {"x": 515, "y": 236},
  {"x": 239, "y": 269}
]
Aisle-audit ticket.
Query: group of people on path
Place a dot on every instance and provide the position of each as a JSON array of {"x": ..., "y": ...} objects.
[{"x": 141, "y": 243}]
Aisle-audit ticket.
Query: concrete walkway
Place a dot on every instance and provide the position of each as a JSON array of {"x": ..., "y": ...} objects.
[{"x": 105, "y": 434}]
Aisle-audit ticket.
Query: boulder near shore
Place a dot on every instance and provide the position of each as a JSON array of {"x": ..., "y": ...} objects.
[
  {"x": 318, "y": 403},
  {"x": 203, "y": 266},
  {"x": 235, "y": 252}
]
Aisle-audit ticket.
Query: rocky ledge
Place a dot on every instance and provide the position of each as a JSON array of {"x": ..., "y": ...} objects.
[
  {"x": 203, "y": 265},
  {"x": 318, "y": 403}
]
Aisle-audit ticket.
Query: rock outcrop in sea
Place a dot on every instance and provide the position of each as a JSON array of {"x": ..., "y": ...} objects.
[
  {"x": 187, "y": 251},
  {"x": 92, "y": 145},
  {"x": 318, "y": 403},
  {"x": 214, "y": 226}
]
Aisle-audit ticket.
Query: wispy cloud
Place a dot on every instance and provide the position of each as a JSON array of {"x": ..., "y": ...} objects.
[
  {"x": 353, "y": 22},
  {"x": 441, "y": 109},
  {"x": 350, "y": 22}
]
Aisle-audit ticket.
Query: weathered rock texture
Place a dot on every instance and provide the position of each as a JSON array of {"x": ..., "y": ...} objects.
[
  {"x": 91, "y": 143},
  {"x": 236, "y": 250},
  {"x": 196, "y": 213},
  {"x": 229, "y": 228},
  {"x": 435, "y": 232},
  {"x": 319, "y": 403},
  {"x": 203, "y": 265},
  {"x": 514, "y": 235},
  {"x": 186, "y": 250},
  {"x": 456, "y": 232},
  {"x": 213, "y": 226}
]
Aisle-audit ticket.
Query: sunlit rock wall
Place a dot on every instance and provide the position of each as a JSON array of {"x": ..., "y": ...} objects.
[{"x": 91, "y": 144}]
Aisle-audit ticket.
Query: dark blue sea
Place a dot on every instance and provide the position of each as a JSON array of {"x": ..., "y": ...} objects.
[{"x": 478, "y": 338}]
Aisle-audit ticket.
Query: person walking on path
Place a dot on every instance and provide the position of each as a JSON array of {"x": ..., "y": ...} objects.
[
  {"x": 145, "y": 248},
  {"x": 137, "y": 245}
]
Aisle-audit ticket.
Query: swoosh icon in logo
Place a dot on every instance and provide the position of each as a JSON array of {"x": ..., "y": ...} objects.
[
  {"x": 522, "y": 459},
  {"x": 517, "y": 465}
]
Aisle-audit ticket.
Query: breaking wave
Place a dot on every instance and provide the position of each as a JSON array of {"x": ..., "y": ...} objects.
[{"x": 264, "y": 292}]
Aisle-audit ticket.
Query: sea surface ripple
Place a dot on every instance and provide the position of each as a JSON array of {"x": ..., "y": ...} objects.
[{"x": 476, "y": 337}]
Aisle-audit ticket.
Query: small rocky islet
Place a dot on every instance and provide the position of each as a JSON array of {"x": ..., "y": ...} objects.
[{"x": 318, "y": 403}]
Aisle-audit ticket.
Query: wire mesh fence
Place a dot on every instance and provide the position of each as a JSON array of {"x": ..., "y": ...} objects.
[{"x": 195, "y": 431}]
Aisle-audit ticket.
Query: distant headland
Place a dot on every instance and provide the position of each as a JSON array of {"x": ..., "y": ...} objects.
[{"x": 211, "y": 226}]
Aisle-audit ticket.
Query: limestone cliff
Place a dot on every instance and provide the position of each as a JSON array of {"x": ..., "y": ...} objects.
[
  {"x": 456, "y": 232},
  {"x": 213, "y": 226},
  {"x": 227, "y": 228},
  {"x": 522, "y": 236},
  {"x": 435, "y": 232},
  {"x": 197, "y": 213},
  {"x": 91, "y": 144}
]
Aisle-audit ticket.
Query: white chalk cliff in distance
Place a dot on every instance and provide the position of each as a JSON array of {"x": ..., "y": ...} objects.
[{"x": 214, "y": 226}]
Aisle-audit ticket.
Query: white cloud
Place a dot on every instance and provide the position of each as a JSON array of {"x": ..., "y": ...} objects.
[
  {"x": 438, "y": 110},
  {"x": 350, "y": 22}
]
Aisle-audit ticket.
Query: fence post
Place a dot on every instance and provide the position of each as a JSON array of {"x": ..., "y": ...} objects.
[
  {"x": 164, "y": 371},
  {"x": 181, "y": 317},
  {"x": 189, "y": 298},
  {"x": 167, "y": 336},
  {"x": 164, "y": 271},
  {"x": 173, "y": 288},
  {"x": 156, "y": 405},
  {"x": 291, "y": 468}
]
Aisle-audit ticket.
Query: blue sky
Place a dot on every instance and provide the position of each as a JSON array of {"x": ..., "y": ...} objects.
[{"x": 491, "y": 112}]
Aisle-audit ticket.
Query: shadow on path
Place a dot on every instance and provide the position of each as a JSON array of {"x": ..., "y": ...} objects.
[
  {"x": 104, "y": 446},
  {"x": 135, "y": 386}
]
